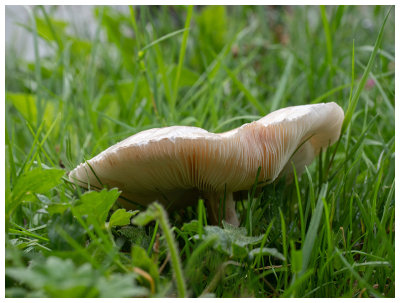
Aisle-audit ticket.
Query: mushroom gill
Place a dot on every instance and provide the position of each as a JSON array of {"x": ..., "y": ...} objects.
[{"x": 179, "y": 164}]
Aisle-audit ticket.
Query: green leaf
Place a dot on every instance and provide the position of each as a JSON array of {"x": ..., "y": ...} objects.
[
  {"x": 57, "y": 277},
  {"x": 57, "y": 208},
  {"x": 26, "y": 104},
  {"x": 121, "y": 217},
  {"x": 34, "y": 181},
  {"x": 45, "y": 31},
  {"x": 134, "y": 235},
  {"x": 213, "y": 27},
  {"x": 80, "y": 47},
  {"x": 238, "y": 251},
  {"x": 142, "y": 260},
  {"x": 61, "y": 278},
  {"x": 144, "y": 218},
  {"x": 296, "y": 259},
  {"x": 96, "y": 205},
  {"x": 230, "y": 238},
  {"x": 192, "y": 227},
  {"x": 121, "y": 286}
]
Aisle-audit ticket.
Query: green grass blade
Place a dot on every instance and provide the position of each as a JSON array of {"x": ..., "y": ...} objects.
[
  {"x": 180, "y": 63},
  {"x": 284, "y": 246},
  {"x": 312, "y": 230},
  {"x": 260, "y": 108},
  {"x": 354, "y": 100},
  {"x": 328, "y": 40},
  {"x": 173, "y": 250},
  {"x": 330, "y": 93},
  {"x": 302, "y": 223},
  {"x": 165, "y": 37},
  {"x": 277, "y": 99},
  {"x": 135, "y": 27},
  {"x": 356, "y": 275}
]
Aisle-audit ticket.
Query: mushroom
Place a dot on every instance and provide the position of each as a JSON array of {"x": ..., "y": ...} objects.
[{"x": 177, "y": 165}]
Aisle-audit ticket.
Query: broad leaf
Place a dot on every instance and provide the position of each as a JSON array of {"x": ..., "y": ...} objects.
[
  {"x": 45, "y": 31},
  {"x": 231, "y": 238},
  {"x": 121, "y": 217},
  {"x": 145, "y": 217},
  {"x": 96, "y": 205},
  {"x": 142, "y": 260},
  {"x": 26, "y": 104},
  {"x": 133, "y": 235},
  {"x": 191, "y": 227},
  {"x": 34, "y": 181},
  {"x": 61, "y": 278}
]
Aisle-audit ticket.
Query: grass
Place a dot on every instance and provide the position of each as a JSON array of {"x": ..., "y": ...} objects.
[{"x": 328, "y": 234}]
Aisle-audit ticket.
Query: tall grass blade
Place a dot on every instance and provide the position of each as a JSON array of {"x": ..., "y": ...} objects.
[
  {"x": 364, "y": 78},
  {"x": 308, "y": 245},
  {"x": 280, "y": 91},
  {"x": 181, "y": 58}
]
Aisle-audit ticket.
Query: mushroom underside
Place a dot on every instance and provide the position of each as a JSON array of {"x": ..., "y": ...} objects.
[{"x": 178, "y": 165}]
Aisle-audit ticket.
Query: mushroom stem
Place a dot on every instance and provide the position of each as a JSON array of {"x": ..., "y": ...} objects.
[{"x": 219, "y": 210}]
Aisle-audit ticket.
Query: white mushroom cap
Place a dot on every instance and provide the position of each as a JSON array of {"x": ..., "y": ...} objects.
[{"x": 177, "y": 164}]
